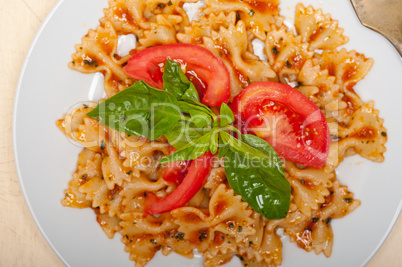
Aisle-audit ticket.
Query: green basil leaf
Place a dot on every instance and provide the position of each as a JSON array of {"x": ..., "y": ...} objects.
[
  {"x": 254, "y": 171},
  {"x": 240, "y": 147},
  {"x": 213, "y": 146},
  {"x": 231, "y": 175},
  {"x": 191, "y": 93},
  {"x": 182, "y": 134},
  {"x": 266, "y": 148},
  {"x": 200, "y": 118},
  {"x": 190, "y": 104},
  {"x": 226, "y": 115},
  {"x": 223, "y": 147},
  {"x": 191, "y": 151},
  {"x": 268, "y": 195},
  {"x": 139, "y": 110},
  {"x": 176, "y": 82}
]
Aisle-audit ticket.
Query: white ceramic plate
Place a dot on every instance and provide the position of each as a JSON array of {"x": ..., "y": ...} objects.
[{"x": 46, "y": 159}]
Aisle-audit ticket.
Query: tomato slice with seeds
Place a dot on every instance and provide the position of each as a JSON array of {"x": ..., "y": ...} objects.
[
  {"x": 292, "y": 124},
  {"x": 191, "y": 184},
  {"x": 207, "y": 72}
]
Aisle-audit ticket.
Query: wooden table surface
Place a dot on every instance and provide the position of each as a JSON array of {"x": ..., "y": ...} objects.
[{"x": 21, "y": 243}]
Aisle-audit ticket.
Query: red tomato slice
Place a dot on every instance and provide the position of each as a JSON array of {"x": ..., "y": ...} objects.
[
  {"x": 292, "y": 124},
  {"x": 175, "y": 171},
  {"x": 197, "y": 172},
  {"x": 207, "y": 72}
]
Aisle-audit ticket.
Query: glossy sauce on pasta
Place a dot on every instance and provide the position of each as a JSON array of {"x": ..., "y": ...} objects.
[{"x": 116, "y": 173}]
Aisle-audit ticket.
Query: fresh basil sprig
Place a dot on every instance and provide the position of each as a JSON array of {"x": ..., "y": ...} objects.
[
  {"x": 226, "y": 115},
  {"x": 200, "y": 118},
  {"x": 188, "y": 105},
  {"x": 176, "y": 82},
  {"x": 259, "y": 180},
  {"x": 252, "y": 166},
  {"x": 139, "y": 110},
  {"x": 191, "y": 151},
  {"x": 182, "y": 134}
]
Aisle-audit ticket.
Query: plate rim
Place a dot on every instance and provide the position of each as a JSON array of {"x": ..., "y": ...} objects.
[
  {"x": 14, "y": 125},
  {"x": 33, "y": 44}
]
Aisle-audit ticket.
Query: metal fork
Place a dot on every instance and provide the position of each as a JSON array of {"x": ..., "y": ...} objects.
[{"x": 382, "y": 16}]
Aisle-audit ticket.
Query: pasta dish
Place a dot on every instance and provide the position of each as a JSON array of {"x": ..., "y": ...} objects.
[{"x": 162, "y": 191}]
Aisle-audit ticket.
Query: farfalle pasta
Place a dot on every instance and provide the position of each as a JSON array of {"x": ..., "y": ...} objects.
[
  {"x": 318, "y": 29},
  {"x": 116, "y": 172}
]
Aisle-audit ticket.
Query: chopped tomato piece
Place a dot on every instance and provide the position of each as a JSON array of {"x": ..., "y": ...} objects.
[
  {"x": 207, "y": 72},
  {"x": 292, "y": 124},
  {"x": 192, "y": 182},
  {"x": 176, "y": 171}
]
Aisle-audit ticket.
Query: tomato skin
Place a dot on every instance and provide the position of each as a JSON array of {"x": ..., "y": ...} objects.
[
  {"x": 301, "y": 131},
  {"x": 175, "y": 172},
  {"x": 207, "y": 72},
  {"x": 192, "y": 183}
]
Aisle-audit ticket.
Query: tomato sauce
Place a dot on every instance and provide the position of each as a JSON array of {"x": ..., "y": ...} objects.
[
  {"x": 350, "y": 72},
  {"x": 112, "y": 193},
  {"x": 365, "y": 133},
  {"x": 224, "y": 53},
  {"x": 121, "y": 13},
  {"x": 219, "y": 238},
  {"x": 328, "y": 200},
  {"x": 307, "y": 183},
  {"x": 316, "y": 33},
  {"x": 331, "y": 69},
  {"x": 72, "y": 201},
  {"x": 242, "y": 78},
  {"x": 351, "y": 105},
  {"x": 191, "y": 218},
  {"x": 264, "y": 7},
  {"x": 100, "y": 221},
  {"x": 220, "y": 207},
  {"x": 103, "y": 39},
  {"x": 297, "y": 61},
  {"x": 115, "y": 81},
  {"x": 304, "y": 239},
  {"x": 197, "y": 237}
]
